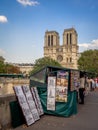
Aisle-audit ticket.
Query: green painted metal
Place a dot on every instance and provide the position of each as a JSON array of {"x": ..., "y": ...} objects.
[{"x": 62, "y": 108}]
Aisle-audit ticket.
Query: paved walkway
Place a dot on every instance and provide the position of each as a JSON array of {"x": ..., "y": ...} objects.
[{"x": 86, "y": 119}]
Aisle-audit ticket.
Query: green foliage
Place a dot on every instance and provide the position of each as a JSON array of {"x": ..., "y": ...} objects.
[
  {"x": 1, "y": 59},
  {"x": 2, "y": 66},
  {"x": 42, "y": 62},
  {"x": 89, "y": 61},
  {"x": 10, "y": 69}
]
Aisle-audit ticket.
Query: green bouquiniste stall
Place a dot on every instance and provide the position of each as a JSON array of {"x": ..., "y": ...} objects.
[{"x": 39, "y": 80}]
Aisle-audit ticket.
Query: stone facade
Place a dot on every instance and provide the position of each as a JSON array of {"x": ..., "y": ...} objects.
[{"x": 66, "y": 54}]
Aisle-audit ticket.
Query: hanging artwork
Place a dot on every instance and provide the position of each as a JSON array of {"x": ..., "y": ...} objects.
[
  {"x": 51, "y": 93},
  {"x": 62, "y": 86},
  {"x": 24, "y": 105},
  {"x": 29, "y": 102}
]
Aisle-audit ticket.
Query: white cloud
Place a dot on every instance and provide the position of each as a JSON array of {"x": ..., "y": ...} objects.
[
  {"x": 87, "y": 46},
  {"x": 28, "y": 2},
  {"x": 3, "y": 19}
]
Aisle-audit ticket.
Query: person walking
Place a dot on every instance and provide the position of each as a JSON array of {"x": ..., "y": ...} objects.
[{"x": 82, "y": 89}]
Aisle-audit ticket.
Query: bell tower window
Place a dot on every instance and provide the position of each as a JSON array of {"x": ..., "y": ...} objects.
[
  {"x": 70, "y": 60},
  {"x": 48, "y": 40},
  {"x": 67, "y": 60},
  {"x": 51, "y": 40},
  {"x": 70, "y": 38},
  {"x": 67, "y": 39}
]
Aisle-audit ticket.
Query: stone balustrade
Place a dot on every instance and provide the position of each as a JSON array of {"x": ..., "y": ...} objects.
[{"x": 6, "y": 96}]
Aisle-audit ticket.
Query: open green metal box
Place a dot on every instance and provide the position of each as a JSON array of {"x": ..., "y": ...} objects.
[{"x": 39, "y": 80}]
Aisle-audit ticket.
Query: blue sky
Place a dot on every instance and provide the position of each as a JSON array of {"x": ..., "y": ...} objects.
[{"x": 23, "y": 24}]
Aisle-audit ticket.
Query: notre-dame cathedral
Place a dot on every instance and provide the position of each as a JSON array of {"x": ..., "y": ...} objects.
[{"x": 66, "y": 54}]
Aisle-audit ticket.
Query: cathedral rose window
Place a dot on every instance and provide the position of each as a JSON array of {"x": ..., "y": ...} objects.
[{"x": 59, "y": 58}]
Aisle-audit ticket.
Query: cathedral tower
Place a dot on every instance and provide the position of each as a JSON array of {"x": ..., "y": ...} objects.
[
  {"x": 51, "y": 43},
  {"x": 66, "y": 54}
]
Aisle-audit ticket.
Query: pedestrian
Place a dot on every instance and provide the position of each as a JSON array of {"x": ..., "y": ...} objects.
[
  {"x": 82, "y": 89},
  {"x": 93, "y": 84},
  {"x": 97, "y": 82},
  {"x": 86, "y": 85},
  {"x": 77, "y": 84}
]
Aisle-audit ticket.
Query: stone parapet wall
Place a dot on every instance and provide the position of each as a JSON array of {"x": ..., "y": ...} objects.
[
  {"x": 5, "y": 116},
  {"x": 6, "y": 84},
  {"x": 6, "y": 96}
]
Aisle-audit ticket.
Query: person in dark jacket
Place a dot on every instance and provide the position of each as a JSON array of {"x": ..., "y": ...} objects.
[{"x": 82, "y": 89}]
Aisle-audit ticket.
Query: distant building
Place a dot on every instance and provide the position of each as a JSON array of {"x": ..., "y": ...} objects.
[
  {"x": 66, "y": 54},
  {"x": 25, "y": 68}
]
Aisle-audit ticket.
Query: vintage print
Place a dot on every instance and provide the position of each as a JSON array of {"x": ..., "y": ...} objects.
[
  {"x": 74, "y": 80},
  {"x": 62, "y": 86},
  {"x": 51, "y": 93}
]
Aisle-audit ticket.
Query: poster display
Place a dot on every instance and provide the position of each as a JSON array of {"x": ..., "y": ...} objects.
[
  {"x": 22, "y": 99},
  {"x": 27, "y": 114},
  {"x": 37, "y": 100},
  {"x": 24, "y": 105},
  {"x": 74, "y": 80},
  {"x": 51, "y": 93},
  {"x": 62, "y": 86},
  {"x": 31, "y": 102},
  {"x": 18, "y": 90}
]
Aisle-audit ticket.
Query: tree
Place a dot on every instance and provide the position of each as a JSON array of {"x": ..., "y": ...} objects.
[
  {"x": 7, "y": 68},
  {"x": 10, "y": 69},
  {"x": 89, "y": 61},
  {"x": 1, "y": 59},
  {"x": 42, "y": 62},
  {"x": 2, "y": 66}
]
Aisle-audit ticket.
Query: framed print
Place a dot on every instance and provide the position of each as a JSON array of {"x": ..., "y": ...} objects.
[
  {"x": 51, "y": 93},
  {"x": 62, "y": 86}
]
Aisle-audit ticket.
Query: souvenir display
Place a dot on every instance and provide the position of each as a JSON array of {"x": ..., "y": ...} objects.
[
  {"x": 31, "y": 102},
  {"x": 24, "y": 105}
]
